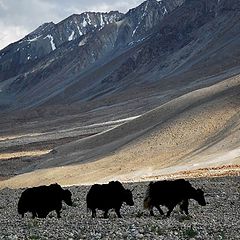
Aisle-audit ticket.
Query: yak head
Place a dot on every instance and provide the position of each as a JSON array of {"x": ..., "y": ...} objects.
[
  {"x": 128, "y": 197},
  {"x": 200, "y": 197},
  {"x": 67, "y": 197}
]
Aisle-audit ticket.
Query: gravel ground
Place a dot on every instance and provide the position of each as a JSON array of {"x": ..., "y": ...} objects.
[{"x": 220, "y": 219}]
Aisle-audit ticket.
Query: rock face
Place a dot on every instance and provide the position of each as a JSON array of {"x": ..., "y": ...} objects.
[
  {"x": 95, "y": 55},
  {"x": 48, "y": 37},
  {"x": 140, "y": 20}
]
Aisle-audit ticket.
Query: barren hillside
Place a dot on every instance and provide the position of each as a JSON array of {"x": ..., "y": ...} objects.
[
  {"x": 195, "y": 131},
  {"x": 151, "y": 93}
]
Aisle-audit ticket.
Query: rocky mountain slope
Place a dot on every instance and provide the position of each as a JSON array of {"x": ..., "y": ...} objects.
[
  {"x": 56, "y": 55},
  {"x": 122, "y": 57},
  {"x": 171, "y": 66},
  {"x": 199, "y": 130},
  {"x": 48, "y": 37}
]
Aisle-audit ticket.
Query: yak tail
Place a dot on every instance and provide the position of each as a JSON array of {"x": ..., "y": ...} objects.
[{"x": 147, "y": 199}]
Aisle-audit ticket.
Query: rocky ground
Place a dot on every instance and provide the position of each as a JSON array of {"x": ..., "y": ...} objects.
[{"x": 220, "y": 219}]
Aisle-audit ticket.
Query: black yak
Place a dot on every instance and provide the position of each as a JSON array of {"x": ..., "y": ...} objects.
[
  {"x": 108, "y": 196},
  {"x": 43, "y": 199},
  {"x": 171, "y": 193}
]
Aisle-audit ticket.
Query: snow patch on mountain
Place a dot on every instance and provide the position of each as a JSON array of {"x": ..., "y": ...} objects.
[
  {"x": 164, "y": 10},
  {"x": 83, "y": 42},
  {"x": 70, "y": 38},
  {"x": 142, "y": 17},
  {"x": 50, "y": 37},
  {"x": 34, "y": 39},
  {"x": 78, "y": 28},
  {"x": 84, "y": 22},
  {"x": 89, "y": 20},
  {"x": 101, "y": 20}
]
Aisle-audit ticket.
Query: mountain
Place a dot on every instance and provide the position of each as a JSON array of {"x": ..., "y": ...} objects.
[
  {"x": 97, "y": 59},
  {"x": 72, "y": 46},
  {"x": 196, "y": 134},
  {"x": 49, "y": 36},
  {"x": 156, "y": 91}
]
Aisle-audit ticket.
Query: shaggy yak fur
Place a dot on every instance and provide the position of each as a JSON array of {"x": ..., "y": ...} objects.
[
  {"x": 43, "y": 199},
  {"x": 108, "y": 196},
  {"x": 171, "y": 193}
]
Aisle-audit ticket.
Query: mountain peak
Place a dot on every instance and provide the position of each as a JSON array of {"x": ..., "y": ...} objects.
[
  {"x": 148, "y": 14},
  {"x": 151, "y": 33},
  {"x": 145, "y": 5}
]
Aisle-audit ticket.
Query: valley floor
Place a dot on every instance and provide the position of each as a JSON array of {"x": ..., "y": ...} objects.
[{"x": 220, "y": 219}]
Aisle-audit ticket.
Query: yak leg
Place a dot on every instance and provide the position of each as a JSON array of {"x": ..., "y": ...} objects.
[
  {"x": 184, "y": 206},
  {"x": 58, "y": 211},
  {"x": 159, "y": 209},
  {"x": 170, "y": 208},
  {"x": 151, "y": 211},
  {"x": 117, "y": 210},
  {"x": 34, "y": 214},
  {"x": 105, "y": 214},
  {"x": 94, "y": 214}
]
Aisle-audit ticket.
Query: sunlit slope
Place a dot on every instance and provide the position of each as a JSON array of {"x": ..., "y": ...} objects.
[
  {"x": 197, "y": 130},
  {"x": 181, "y": 122}
]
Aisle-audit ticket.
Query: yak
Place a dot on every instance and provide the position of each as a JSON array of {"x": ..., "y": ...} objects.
[
  {"x": 43, "y": 199},
  {"x": 170, "y": 194},
  {"x": 108, "y": 196}
]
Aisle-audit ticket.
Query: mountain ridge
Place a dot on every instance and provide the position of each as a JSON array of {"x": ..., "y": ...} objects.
[
  {"x": 152, "y": 94},
  {"x": 153, "y": 39}
]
